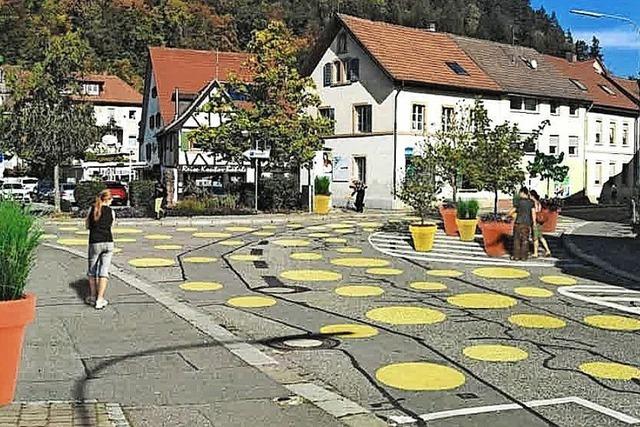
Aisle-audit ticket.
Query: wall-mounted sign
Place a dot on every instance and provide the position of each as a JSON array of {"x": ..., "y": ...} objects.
[{"x": 341, "y": 168}]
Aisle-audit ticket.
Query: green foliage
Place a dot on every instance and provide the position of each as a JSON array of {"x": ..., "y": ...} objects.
[
  {"x": 468, "y": 209},
  {"x": 421, "y": 185},
  {"x": 19, "y": 240},
  {"x": 321, "y": 186},
  {"x": 141, "y": 194},
  {"x": 278, "y": 194},
  {"x": 462, "y": 211},
  {"x": 548, "y": 167},
  {"x": 86, "y": 192},
  {"x": 211, "y": 205}
]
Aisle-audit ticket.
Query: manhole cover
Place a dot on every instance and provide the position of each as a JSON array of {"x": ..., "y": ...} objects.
[
  {"x": 279, "y": 290},
  {"x": 303, "y": 343}
]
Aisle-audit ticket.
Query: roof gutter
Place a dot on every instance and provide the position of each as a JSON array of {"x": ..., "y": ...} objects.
[{"x": 395, "y": 138}]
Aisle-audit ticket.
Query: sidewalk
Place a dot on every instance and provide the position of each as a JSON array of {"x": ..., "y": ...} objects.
[{"x": 134, "y": 363}]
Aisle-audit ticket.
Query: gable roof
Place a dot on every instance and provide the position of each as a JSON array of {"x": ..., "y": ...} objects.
[
  {"x": 586, "y": 73},
  {"x": 113, "y": 90},
  {"x": 632, "y": 87},
  {"x": 415, "y": 55},
  {"x": 190, "y": 71},
  {"x": 518, "y": 69}
]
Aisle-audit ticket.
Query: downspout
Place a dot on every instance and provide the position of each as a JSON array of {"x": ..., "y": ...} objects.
[
  {"x": 584, "y": 151},
  {"x": 395, "y": 140}
]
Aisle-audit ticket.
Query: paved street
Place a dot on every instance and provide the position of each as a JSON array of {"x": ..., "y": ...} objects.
[{"x": 344, "y": 314}]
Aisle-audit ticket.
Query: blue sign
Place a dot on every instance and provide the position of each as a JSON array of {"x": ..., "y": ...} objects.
[{"x": 1, "y": 157}]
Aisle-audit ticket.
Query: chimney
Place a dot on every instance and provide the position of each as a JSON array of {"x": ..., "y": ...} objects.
[
  {"x": 571, "y": 56},
  {"x": 176, "y": 100},
  {"x": 431, "y": 27}
]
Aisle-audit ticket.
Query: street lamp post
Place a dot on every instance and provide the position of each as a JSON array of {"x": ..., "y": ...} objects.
[{"x": 247, "y": 134}]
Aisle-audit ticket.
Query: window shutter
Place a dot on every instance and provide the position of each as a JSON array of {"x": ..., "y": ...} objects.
[
  {"x": 354, "y": 69},
  {"x": 328, "y": 71}
]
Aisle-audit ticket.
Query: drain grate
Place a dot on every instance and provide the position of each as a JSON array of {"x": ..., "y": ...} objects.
[
  {"x": 260, "y": 264},
  {"x": 258, "y": 252},
  {"x": 467, "y": 396},
  {"x": 263, "y": 242},
  {"x": 272, "y": 281}
]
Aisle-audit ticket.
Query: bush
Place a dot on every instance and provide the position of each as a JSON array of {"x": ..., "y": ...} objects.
[
  {"x": 278, "y": 194},
  {"x": 468, "y": 209},
  {"x": 141, "y": 195},
  {"x": 19, "y": 239},
  {"x": 86, "y": 192},
  {"x": 321, "y": 185},
  {"x": 211, "y": 205}
]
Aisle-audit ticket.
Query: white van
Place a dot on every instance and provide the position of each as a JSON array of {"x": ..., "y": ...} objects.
[{"x": 29, "y": 183}]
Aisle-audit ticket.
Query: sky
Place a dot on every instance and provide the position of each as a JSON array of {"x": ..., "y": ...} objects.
[{"x": 620, "y": 43}]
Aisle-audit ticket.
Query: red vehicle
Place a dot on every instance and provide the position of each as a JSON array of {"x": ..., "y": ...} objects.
[{"x": 118, "y": 192}]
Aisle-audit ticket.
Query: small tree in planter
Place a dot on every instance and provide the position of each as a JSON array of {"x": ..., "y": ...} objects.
[
  {"x": 467, "y": 219},
  {"x": 322, "y": 197},
  {"x": 419, "y": 189},
  {"x": 19, "y": 239},
  {"x": 549, "y": 167}
]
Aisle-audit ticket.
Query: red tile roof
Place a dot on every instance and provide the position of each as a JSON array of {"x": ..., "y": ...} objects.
[
  {"x": 585, "y": 72},
  {"x": 417, "y": 55},
  {"x": 113, "y": 90},
  {"x": 190, "y": 71},
  {"x": 631, "y": 86}
]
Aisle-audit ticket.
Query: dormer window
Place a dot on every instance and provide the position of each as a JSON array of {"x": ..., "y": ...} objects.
[
  {"x": 342, "y": 43},
  {"x": 457, "y": 68},
  {"x": 608, "y": 90},
  {"x": 578, "y": 84},
  {"x": 92, "y": 89},
  {"x": 339, "y": 73}
]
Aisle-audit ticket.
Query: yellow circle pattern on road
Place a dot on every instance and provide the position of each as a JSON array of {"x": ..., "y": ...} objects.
[
  {"x": 349, "y": 331},
  {"x": 537, "y": 321},
  {"x": 359, "y": 291},
  {"x": 294, "y": 225},
  {"x": 306, "y": 256},
  {"x": 360, "y": 262},
  {"x": 370, "y": 224},
  {"x": 559, "y": 280},
  {"x": 482, "y": 301},
  {"x": 444, "y": 273},
  {"x": 344, "y": 231},
  {"x": 239, "y": 229},
  {"x": 613, "y": 323},
  {"x": 428, "y": 286},
  {"x": 151, "y": 262},
  {"x": 610, "y": 371},
  {"x": 495, "y": 353},
  {"x": 124, "y": 240},
  {"x": 48, "y": 236},
  {"x": 501, "y": 273},
  {"x": 335, "y": 240},
  {"x": 269, "y": 227},
  {"x": 200, "y": 286},
  {"x": 168, "y": 247},
  {"x": 533, "y": 292},
  {"x": 245, "y": 257},
  {"x": 406, "y": 315},
  {"x": 340, "y": 225},
  {"x": 263, "y": 233},
  {"x": 319, "y": 235},
  {"x": 291, "y": 243},
  {"x": 384, "y": 271},
  {"x": 311, "y": 275},
  {"x": 211, "y": 235},
  {"x": 317, "y": 228},
  {"x": 68, "y": 228},
  {"x": 117, "y": 230},
  {"x": 349, "y": 250},
  {"x": 232, "y": 243},
  {"x": 199, "y": 260},
  {"x": 82, "y": 233},
  {"x": 73, "y": 242},
  {"x": 117, "y": 250},
  {"x": 420, "y": 376},
  {"x": 186, "y": 229},
  {"x": 251, "y": 302},
  {"x": 158, "y": 237}
]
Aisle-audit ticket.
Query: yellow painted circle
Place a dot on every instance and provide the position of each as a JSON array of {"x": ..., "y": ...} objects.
[
  {"x": 349, "y": 331},
  {"x": 482, "y": 300},
  {"x": 533, "y": 292},
  {"x": 317, "y": 228},
  {"x": 263, "y": 233},
  {"x": 306, "y": 256},
  {"x": 151, "y": 262},
  {"x": 610, "y": 370},
  {"x": 269, "y": 227},
  {"x": 117, "y": 250},
  {"x": 291, "y": 243},
  {"x": 118, "y": 230},
  {"x": 295, "y": 225},
  {"x": 319, "y": 235},
  {"x": 199, "y": 260},
  {"x": 495, "y": 353},
  {"x": 245, "y": 257},
  {"x": 444, "y": 273},
  {"x": 186, "y": 229},
  {"x": 428, "y": 286},
  {"x": 339, "y": 226},
  {"x": 168, "y": 247},
  {"x": 360, "y": 262},
  {"x": 67, "y": 228},
  {"x": 359, "y": 291},
  {"x": 201, "y": 286},
  {"x": 384, "y": 271},
  {"x": 406, "y": 315},
  {"x": 412, "y": 218},
  {"x": 211, "y": 235},
  {"x": 370, "y": 224},
  {"x": 559, "y": 280},
  {"x": 369, "y": 230},
  {"x": 239, "y": 229},
  {"x": 158, "y": 237},
  {"x": 501, "y": 273},
  {"x": 344, "y": 231},
  {"x": 335, "y": 240},
  {"x": 124, "y": 240},
  {"x": 48, "y": 236},
  {"x": 537, "y": 321},
  {"x": 311, "y": 275},
  {"x": 73, "y": 242},
  {"x": 82, "y": 233},
  {"x": 232, "y": 243},
  {"x": 251, "y": 302},
  {"x": 614, "y": 323},
  {"x": 349, "y": 250},
  {"x": 420, "y": 376}
]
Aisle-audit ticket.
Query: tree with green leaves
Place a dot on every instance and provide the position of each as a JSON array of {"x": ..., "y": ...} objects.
[
  {"x": 548, "y": 167},
  {"x": 279, "y": 115},
  {"x": 45, "y": 122},
  {"x": 421, "y": 184},
  {"x": 595, "y": 51}
]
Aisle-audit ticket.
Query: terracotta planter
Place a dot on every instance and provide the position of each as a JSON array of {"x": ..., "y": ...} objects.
[
  {"x": 550, "y": 220},
  {"x": 423, "y": 236},
  {"x": 467, "y": 229},
  {"x": 449, "y": 216},
  {"x": 14, "y": 317},
  {"x": 495, "y": 236},
  {"x": 321, "y": 204}
]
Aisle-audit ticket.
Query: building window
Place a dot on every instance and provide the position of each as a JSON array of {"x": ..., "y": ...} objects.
[
  {"x": 417, "y": 117},
  {"x": 598, "y": 131},
  {"x": 353, "y": 69},
  {"x": 598, "y": 171},
  {"x": 607, "y": 90},
  {"x": 573, "y": 110},
  {"x": 342, "y": 43},
  {"x": 530, "y": 104},
  {"x": 612, "y": 133},
  {"x": 457, "y": 68},
  {"x": 573, "y": 146},
  {"x": 152, "y": 122},
  {"x": 338, "y": 72},
  {"x": 529, "y": 145},
  {"x": 360, "y": 166},
  {"x": 91, "y": 89},
  {"x": 158, "y": 120},
  {"x": 578, "y": 84},
  {"x": 154, "y": 92},
  {"x": 625, "y": 134},
  {"x": 111, "y": 113},
  {"x": 132, "y": 114},
  {"x": 447, "y": 118},
  {"x": 554, "y": 144},
  {"x": 329, "y": 113},
  {"x": 363, "y": 118},
  {"x": 612, "y": 169},
  {"x": 519, "y": 103},
  {"x": 555, "y": 108},
  {"x": 327, "y": 75}
]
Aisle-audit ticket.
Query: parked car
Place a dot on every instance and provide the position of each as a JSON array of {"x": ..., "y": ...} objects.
[
  {"x": 118, "y": 192},
  {"x": 43, "y": 192},
  {"x": 30, "y": 183},
  {"x": 15, "y": 191},
  {"x": 66, "y": 192}
]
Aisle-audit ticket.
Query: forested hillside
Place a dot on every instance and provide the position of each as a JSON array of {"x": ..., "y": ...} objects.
[{"x": 118, "y": 31}]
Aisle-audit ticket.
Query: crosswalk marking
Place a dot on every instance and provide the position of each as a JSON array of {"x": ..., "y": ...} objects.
[{"x": 606, "y": 296}]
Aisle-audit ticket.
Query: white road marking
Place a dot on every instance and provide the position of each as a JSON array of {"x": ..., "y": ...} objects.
[
  {"x": 511, "y": 406},
  {"x": 609, "y": 300}
]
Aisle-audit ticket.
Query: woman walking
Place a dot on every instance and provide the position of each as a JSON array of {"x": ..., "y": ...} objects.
[
  {"x": 538, "y": 237},
  {"x": 99, "y": 222},
  {"x": 525, "y": 217}
]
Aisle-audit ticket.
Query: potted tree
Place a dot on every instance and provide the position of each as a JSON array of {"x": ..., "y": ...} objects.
[
  {"x": 467, "y": 219},
  {"x": 322, "y": 197},
  {"x": 19, "y": 239},
  {"x": 549, "y": 167},
  {"x": 418, "y": 189}
]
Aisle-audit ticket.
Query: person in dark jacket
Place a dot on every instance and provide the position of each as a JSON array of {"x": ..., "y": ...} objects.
[
  {"x": 99, "y": 222},
  {"x": 525, "y": 212},
  {"x": 358, "y": 187}
]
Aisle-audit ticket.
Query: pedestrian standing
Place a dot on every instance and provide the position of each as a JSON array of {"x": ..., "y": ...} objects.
[
  {"x": 99, "y": 222},
  {"x": 538, "y": 237},
  {"x": 358, "y": 188},
  {"x": 525, "y": 213},
  {"x": 614, "y": 193},
  {"x": 159, "y": 201}
]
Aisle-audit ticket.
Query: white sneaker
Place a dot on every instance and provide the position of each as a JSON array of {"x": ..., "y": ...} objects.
[
  {"x": 90, "y": 300},
  {"x": 101, "y": 303}
]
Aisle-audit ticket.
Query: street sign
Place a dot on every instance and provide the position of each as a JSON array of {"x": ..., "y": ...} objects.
[{"x": 257, "y": 154}]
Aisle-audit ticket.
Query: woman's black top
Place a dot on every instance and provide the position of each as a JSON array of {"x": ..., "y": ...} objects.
[{"x": 100, "y": 230}]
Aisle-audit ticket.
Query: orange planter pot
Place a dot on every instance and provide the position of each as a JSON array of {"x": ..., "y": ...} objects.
[
  {"x": 449, "y": 216},
  {"x": 14, "y": 317},
  {"x": 496, "y": 235},
  {"x": 550, "y": 220}
]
